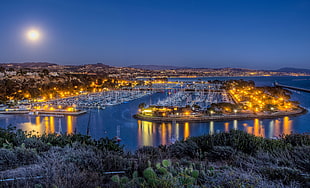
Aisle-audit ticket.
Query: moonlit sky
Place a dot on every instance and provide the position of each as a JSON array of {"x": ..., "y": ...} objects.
[{"x": 260, "y": 34}]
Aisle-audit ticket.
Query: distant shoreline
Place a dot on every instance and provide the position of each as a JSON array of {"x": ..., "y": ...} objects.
[{"x": 299, "y": 111}]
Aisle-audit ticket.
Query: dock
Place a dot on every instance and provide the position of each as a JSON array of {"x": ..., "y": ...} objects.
[
  {"x": 15, "y": 112},
  {"x": 75, "y": 113},
  {"x": 39, "y": 112}
]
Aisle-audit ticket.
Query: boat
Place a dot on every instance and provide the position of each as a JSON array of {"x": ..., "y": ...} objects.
[
  {"x": 52, "y": 115},
  {"x": 117, "y": 137}
]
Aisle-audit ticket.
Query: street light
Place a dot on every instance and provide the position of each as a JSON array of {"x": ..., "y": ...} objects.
[
  {"x": 211, "y": 112},
  {"x": 235, "y": 111}
]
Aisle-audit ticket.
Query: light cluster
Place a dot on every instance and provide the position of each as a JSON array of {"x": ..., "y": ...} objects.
[{"x": 259, "y": 100}]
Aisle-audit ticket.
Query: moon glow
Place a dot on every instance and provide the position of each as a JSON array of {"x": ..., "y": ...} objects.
[{"x": 33, "y": 35}]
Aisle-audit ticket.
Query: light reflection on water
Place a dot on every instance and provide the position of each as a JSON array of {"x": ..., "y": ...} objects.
[
  {"x": 211, "y": 127},
  {"x": 151, "y": 133},
  {"x": 186, "y": 130},
  {"x": 46, "y": 124},
  {"x": 70, "y": 120}
]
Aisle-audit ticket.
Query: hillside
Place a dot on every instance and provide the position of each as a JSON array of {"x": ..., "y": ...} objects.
[{"x": 232, "y": 159}]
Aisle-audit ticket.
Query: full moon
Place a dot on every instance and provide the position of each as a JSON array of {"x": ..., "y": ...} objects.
[{"x": 33, "y": 35}]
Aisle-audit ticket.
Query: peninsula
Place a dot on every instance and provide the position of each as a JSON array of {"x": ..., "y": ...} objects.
[{"x": 220, "y": 101}]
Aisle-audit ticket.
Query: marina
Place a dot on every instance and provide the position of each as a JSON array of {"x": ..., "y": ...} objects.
[
  {"x": 136, "y": 133},
  {"x": 97, "y": 100},
  {"x": 75, "y": 105},
  {"x": 204, "y": 99}
]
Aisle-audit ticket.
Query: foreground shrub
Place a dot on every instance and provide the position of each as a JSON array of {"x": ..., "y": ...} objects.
[
  {"x": 297, "y": 139},
  {"x": 35, "y": 143},
  {"x": 221, "y": 153},
  {"x": 301, "y": 157},
  {"x": 234, "y": 159},
  {"x": 10, "y": 158},
  {"x": 285, "y": 174},
  {"x": 11, "y": 137},
  {"x": 187, "y": 149},
  {"x": 152, "y": 152},
  {"x": 236, "y": 139}
]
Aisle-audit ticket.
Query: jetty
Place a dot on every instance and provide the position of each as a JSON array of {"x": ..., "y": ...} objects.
[{"x": 276, "y": 84}]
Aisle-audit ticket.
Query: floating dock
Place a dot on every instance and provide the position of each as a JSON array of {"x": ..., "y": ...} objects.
[
  {"x": 38, "y": 112},
  {"x": 75, "y": 113}
]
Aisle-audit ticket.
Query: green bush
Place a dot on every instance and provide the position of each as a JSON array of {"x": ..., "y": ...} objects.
[
  {"x": 8, "y": 159},
  {"x": 285, "y": 174},
  {"x": 221, "y": 153},
  {"x": 25, "y": 156},
  {"x": 187, "y": 149},
  {"x": 19, "y": 156},
  {"x": 297, "y": 139},
  {"x": 236, "y": 139},
  {"x": 41, "y": 143},
  {"x": 148, "y": 150},
  {"x": 301, "y": 158},
  {"x": 36, "y": 144}
]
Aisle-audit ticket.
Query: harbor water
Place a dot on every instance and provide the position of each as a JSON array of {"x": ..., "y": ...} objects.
[{"x": 117, "y": 120}]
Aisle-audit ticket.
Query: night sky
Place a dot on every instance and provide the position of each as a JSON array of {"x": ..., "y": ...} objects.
[{"x": 260, "y": 34}]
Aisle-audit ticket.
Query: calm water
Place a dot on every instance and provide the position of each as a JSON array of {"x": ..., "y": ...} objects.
[{"x": 134, "y": 133}]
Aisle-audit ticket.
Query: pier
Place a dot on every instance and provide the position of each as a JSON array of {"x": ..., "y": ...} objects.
[{"x": 276, "y": 84}]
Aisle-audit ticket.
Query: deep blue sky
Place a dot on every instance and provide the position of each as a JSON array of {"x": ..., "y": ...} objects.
[{"x": 261, "y": 34}]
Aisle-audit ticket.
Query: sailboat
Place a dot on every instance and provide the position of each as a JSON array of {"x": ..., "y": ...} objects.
[{"x": 117, "y": 137}]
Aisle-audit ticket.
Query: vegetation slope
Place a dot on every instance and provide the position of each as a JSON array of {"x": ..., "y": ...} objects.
[{"x": 232, "y": 159}]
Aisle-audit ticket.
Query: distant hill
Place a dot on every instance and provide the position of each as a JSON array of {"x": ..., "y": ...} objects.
[
  {"x": 236, "y": 69},
  {"x": 295, "y": 70},
  {"x": 96, "y": 65},
  {"x": 166, "y": 67},
  {"x": 100, "y": 66},
  {"x": 157, "y": 67}
]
